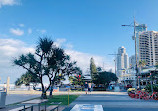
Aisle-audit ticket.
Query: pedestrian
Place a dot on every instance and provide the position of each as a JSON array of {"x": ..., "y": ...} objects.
[
  {"x": 89, "y": 87},
  {"x": 86, "y": 87},
  {"x": 110, "y": 87}
]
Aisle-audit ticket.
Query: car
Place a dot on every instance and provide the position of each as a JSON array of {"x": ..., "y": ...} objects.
[
  {"x": 128, "y": 86},
  {"x": 38, "y": 89},
  {"x": 1, "y": 88}
]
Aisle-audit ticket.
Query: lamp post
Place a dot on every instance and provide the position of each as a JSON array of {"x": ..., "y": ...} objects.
[
  {"x": 114, "y": 60},
  {"x": 151, "y": 81},
  {"x": 136, "y": 68}
]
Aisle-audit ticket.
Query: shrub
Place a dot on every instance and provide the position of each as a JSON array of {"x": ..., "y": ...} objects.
[{"x": 148, "y": 88}]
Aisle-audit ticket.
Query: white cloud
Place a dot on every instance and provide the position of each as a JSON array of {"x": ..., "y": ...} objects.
[
  {"x": 42, "y": 31},
  {"x": 16, "y": 31},
  {"x": 12, "y": 42},
  {"x": 9, "y": 49},
  {"x": 21, "y": 25},
  {"x": 68, "y": 46},
  {"x": 29, "y": 31},
  {"x": 83, "y": 60},
  {"x": 9, "y": 2},
  {"x": 60, "y": 42}
]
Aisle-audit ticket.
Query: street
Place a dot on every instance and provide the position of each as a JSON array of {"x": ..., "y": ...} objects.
[{"x": 14, "y": 98}]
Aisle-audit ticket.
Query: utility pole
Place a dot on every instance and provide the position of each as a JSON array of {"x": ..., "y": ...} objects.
[
  {"x": 134, "y": 37},
  {"x": 114, "y": 59}
]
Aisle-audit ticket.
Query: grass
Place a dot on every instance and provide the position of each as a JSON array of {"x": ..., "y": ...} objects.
[
  {"x": 61, "y": 98},
  {"x": 55, "y": 98}
]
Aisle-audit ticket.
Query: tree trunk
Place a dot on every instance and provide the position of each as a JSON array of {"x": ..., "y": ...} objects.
[
  {"x": 51, "y": 90},
  {"x": 51, "y": 85},
  {"x": 34, "y": 87},
  {"x": 43, "y": 95}
]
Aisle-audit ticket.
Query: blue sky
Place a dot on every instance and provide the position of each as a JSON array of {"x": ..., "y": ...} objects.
[{"x": 91, "y": 27}]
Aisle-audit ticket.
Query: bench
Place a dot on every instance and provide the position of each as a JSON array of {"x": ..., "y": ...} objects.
[
  {"x": 20, "y": 108},
  {"x": 52, "y": 108}
]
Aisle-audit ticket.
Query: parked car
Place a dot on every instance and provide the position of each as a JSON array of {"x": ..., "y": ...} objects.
[
  {"x": 38, "y": 89},
  {"x": 1, "y": 88},
  {"x": 128, "y": 86}
]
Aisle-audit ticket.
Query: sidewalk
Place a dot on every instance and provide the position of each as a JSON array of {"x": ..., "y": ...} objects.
[
  {"x": 35, "y": 108},
  {"x": 59, "y": 93},
  {"x": 115, "y": 102}
]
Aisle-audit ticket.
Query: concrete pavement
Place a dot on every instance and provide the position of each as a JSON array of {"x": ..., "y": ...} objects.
[
  {"x": 116, "y": 102},
  {"x": 111, "y": 101}
]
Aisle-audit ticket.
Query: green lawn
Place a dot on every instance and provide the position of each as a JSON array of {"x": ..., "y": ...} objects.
[
  {"x": 61, "y": 98},
  {"x": 55, "y": 98}
]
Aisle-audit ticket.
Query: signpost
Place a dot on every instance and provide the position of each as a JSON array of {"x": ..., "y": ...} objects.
[
  {"x": 7, "y": 88},
  {"x": 68, "y": 88}
]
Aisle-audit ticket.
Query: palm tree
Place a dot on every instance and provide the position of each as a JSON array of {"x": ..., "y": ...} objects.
[
  {"x": 155, "y": 75},
  {"x": 141, "y": 64}
]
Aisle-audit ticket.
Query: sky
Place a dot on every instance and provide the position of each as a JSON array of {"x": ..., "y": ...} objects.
[{"x": 84, "y": 28}]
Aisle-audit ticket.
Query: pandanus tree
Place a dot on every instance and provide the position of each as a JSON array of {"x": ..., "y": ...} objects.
[
  {"x": 49, "y": 61},
  {"x": 59, "y": 66},
  {"x": 27, "y": 79}
]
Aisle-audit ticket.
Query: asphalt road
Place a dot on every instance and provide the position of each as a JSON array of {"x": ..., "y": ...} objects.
[{"x": 14, "y": 98}]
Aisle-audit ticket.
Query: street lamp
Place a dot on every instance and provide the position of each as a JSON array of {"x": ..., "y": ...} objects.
[
  {"x": 114, "y": 60},
  {"x": 135, "y": 50},
  {"x": 151, "y": 82}
]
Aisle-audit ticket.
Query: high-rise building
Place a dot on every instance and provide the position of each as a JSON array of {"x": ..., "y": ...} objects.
[
  {"x": 132, "y": 62},
  {"x": 122, "y": 61},
  {"x": 139, "y": 28},
  {"x": 148, "y": 47}
]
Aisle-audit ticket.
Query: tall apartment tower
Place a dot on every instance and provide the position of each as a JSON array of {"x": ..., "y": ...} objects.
[
  {"x": 148, "y": 47},
  {"x": 122, "y": 61},
  {"x": 132, "y": 62},
  {"x": 139, "y": 28}
]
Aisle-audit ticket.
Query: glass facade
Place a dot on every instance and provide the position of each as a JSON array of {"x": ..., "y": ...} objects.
[{"x": 139, "y": 28}]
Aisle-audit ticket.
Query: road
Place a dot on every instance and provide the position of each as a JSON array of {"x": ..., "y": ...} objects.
[
  {"x": 14, "y": 98},
  {"x": 116, "y": 102}
]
